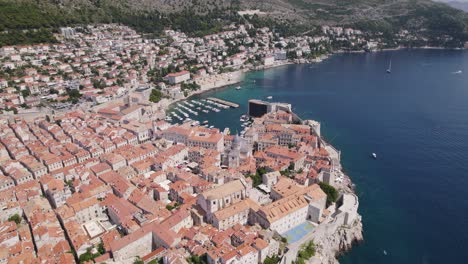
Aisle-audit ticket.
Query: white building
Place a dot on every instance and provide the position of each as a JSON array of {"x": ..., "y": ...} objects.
[
  {"x": 293, "y": 210},
  {"x": 269, "y": 60},
  {"x": 178, "y": 77},
  {"x": 223, "y": 196}
]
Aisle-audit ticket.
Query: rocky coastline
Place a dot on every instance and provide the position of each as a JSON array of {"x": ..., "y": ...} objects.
[{"x": 333, "y": 240}]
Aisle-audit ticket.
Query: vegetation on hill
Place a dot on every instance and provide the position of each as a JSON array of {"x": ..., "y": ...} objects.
[{"x": 34, "y": 21}]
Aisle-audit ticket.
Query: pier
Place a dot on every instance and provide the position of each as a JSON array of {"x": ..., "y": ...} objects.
[{"x": 220, "y": 101}]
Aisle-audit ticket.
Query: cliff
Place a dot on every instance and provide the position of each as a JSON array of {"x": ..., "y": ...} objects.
[{"x": 329, "y": 247}]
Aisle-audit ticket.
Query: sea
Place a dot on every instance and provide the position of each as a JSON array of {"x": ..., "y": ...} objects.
[{"x": 414, "y": 196}]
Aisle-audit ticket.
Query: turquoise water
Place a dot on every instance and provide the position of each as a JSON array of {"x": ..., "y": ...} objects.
[
  {"x": 298, "y": 232},
  {"x": 413, "y": 198}
]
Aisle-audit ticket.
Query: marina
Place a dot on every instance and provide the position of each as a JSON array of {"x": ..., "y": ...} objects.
[
  {"x": 224, "y": 102},
  {"x": 198, "y": 111}
]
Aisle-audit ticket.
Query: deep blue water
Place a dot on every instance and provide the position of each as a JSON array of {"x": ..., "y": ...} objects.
[{"x": 413, "y": 199}]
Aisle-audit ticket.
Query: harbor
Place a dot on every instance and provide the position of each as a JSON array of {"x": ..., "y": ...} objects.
[
  {"x": 197, "y": 111},
  {"x": 224, "y": 102}
]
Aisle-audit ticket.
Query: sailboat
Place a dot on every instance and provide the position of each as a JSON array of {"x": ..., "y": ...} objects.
[{"x": 389, "y": 70}]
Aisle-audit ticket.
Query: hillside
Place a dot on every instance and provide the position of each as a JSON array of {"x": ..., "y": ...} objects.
[{"x": 199, "y": 17}]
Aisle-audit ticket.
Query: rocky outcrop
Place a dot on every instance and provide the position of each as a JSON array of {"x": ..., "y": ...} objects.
[
  {"x": 330, "y": 247},
  {"x": 333, "y": 239}
]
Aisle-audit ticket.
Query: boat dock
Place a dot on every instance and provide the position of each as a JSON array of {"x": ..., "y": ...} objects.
[{"x": 220, "y": 101}]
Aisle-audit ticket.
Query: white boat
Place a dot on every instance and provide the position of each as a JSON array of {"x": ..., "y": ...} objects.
[
  {"x": 374, "y": 155},
  {"x": 211, "y": 126},
  {"x": 389, "y": 70},
  {"x": 205, "y": 111},
  {"x": 238, "y": 88},
  {"x": 205, "y": 122},
  {"x": 269, "y": 97},
  {"x": 385, "y": 252},
  {"x": 457, "y": 72},
  {"x": 244, "y": 118},
  {"x": 196, "y": 123}
]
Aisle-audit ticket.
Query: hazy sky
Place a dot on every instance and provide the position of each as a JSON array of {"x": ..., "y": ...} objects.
[{"x": 465, "y": 1}]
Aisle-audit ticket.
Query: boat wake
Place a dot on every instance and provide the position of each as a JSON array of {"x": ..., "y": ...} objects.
[{"x": 457, "y": 72}]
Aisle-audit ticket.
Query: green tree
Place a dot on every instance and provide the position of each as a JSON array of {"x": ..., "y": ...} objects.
[
  {"x": 155, "y": 95},
  {"x": 98, "y": 84},
  {"x": 138, "y": 261},
  {"x": 101, "y": 248},
  {"x": 156, "y": 261},
  {"x": 85, "y": 257},
  {"x": 257, "y": 178},
  {"x": 15, "y": 218},
  {"x": 272, "y": 260},
  {"x": 291, "y": 55},
  {"x": 332, "y": 193},
  {"x": 305, "y": 253},
  {"x": 25, "y": 93},
  {"x": 193, "y": 259},
  {"x": 69, "y": 183}
]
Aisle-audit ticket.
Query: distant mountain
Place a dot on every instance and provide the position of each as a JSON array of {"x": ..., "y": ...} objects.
[
  {"x": 459, "y": 5},
  {"x": 198, "y": 17}
]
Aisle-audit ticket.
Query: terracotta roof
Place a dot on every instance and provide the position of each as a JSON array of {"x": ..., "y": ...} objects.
[{"x": 223, "y": 190}]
